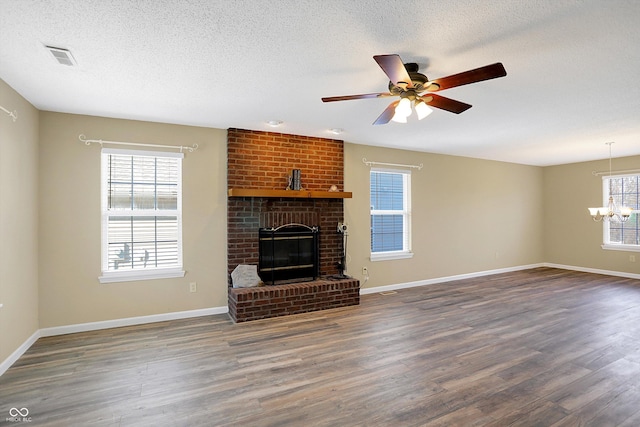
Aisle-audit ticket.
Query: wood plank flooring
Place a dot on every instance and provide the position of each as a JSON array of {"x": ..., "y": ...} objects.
[{"x": 541, "y": 347}]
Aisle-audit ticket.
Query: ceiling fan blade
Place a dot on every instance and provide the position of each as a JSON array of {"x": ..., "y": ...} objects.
[
  {"x": 363, "y": 96},
  {"x": 387, "y": 114},
  {"x": 487, "y": 72},
  {"x": 394, "y": 69},
  {"x": 443, "y": 103}
]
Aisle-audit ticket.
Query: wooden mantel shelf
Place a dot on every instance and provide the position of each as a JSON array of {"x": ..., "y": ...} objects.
[{"x": 303, "y": 194}]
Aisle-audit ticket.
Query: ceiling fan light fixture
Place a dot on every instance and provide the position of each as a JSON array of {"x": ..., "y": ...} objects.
[
  {"x": 399, "y": 118},
  {"x": 422, "y": 110},
  {"x": 404, "y": 108}
]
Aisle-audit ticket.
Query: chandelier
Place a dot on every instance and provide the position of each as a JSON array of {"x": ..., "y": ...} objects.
[{"x": 611, "y": 212}]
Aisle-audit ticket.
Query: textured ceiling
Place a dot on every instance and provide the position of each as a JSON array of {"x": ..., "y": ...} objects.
[{"x": 570, "y": 87}]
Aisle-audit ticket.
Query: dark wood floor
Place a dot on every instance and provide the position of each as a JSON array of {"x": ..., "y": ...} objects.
[{"x": 541, "y": 347}]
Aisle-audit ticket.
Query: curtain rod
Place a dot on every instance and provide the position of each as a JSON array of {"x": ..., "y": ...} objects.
[
  {"x": 594, "y": 173},
  {"x": 82, "y": 138},
  {"x": 369, "y": 163},
  {"x": 13, "y": 114}
]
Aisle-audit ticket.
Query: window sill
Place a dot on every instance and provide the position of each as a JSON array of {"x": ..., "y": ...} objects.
[
  {"x": 627, "y": 248},
  {"x": 131, "y": 276},
  {"x": 386, "y": 256}
]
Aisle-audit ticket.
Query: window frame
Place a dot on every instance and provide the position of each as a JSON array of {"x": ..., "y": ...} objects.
[
  {"x": 606, "y": 231},
  {"x": 406, "y": 252},
  {"x": 111, "y": 275}
]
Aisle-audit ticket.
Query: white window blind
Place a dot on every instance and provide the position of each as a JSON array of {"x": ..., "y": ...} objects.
[
  {"x": 625, "y": 190},
  {"x": 141, "y": 215},
  {"x": 390, "y": 214}
]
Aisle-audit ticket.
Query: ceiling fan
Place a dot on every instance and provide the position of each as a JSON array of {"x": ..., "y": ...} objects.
[{"x": 415, "y": 88}]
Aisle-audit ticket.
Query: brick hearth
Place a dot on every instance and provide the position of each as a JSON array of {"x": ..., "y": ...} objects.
[{"x": 281, "y": 300}]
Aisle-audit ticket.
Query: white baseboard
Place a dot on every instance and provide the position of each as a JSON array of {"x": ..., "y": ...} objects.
[
  {"x": 6, "y": 364},
  {"x": 593, "y": 270},
  {"x": 130, "y": 321},
  {"x": 106, "y": 324},
  {"x": 364, "y": 291},
  {"x": 377, "y": 289}
]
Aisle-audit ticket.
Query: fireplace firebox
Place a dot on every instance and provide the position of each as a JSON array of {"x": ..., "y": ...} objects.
[{"x": 288, "y": 253}]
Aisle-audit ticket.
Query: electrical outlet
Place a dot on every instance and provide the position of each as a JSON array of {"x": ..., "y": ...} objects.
[
  {"x": 193, "y": 287},
  {"x": 365, "y": 271},
  {"x": 632, "y": 258}
]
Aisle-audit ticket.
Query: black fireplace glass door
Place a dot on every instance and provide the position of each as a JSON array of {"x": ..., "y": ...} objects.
[{"x": 288, "y": 253}]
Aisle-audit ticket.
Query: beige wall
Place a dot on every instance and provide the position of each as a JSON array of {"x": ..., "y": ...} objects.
[
  {"x": 571, "y": 237},
  {"x": 469, "y": 215},
  {"x": 69, "y": 246},
  {"x": 18, "y": 222}
]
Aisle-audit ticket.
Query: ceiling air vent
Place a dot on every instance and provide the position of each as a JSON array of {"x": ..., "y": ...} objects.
[{"x": 63, "y": 56}]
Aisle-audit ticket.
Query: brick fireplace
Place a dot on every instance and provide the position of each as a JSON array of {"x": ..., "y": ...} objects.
[{"x": 258, "y": 166}]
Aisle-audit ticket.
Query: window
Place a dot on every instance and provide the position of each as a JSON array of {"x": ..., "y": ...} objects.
[
  {"x": 390, "y": 214},
  {"x": 625, "y": 190},
  {"x": 141, "y": 215}
]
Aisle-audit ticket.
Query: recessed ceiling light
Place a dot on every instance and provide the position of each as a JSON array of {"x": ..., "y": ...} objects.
[
  {"x": 336, "y": 131},
  {"x": 274, "y": 123},
  {"x": 63, "y": 56}
]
